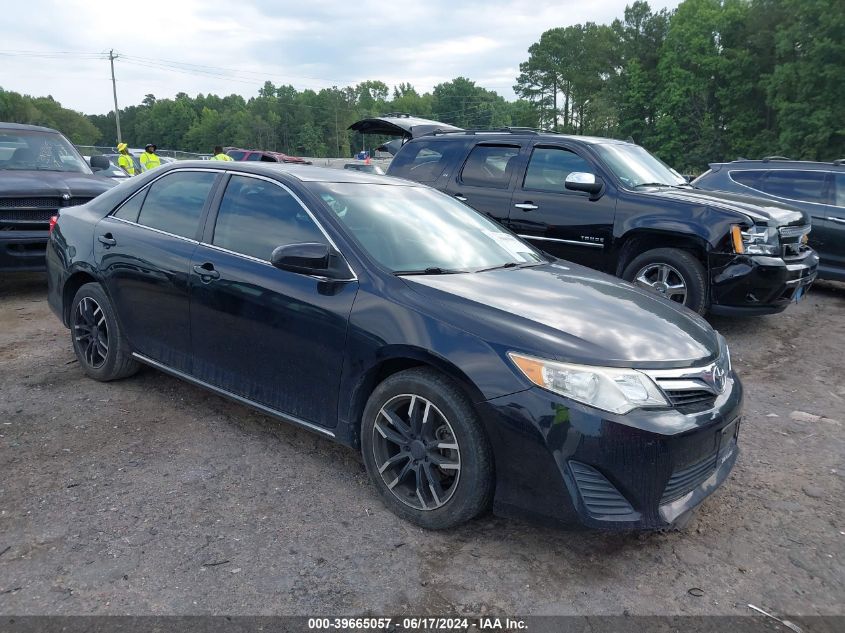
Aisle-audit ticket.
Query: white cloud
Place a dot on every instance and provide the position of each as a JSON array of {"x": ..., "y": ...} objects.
[{"x": 313, "y": 44}]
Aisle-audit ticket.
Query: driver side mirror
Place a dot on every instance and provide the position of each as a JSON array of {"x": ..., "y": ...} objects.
[
  {"x": 99, "y": 163},
  {"x": 310, "y": 258},
  {"x": 586, "y": 182}
]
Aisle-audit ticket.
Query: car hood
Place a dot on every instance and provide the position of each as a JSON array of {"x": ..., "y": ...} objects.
[
  {"x": 406, "y": 126},
  {"x": 47, "y": 184},
  {"x": 759, "y": 210},
  {"x": 571, "y": 313}
]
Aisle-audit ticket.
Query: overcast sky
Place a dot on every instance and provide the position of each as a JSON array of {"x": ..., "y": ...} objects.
[{"x": 226, "y": 46}]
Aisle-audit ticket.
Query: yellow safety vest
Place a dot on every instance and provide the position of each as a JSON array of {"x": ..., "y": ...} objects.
[
  {"x": 149, "y": 161},
  {"x": 125, "y": 162},
  {"x": 221, "y": 157}
]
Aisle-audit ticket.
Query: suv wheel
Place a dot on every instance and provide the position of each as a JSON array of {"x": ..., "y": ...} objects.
[
  {"x": 674, "y": 273},
  {"x": 97, "y": 339},
  {"x": 425, "y": 450}
]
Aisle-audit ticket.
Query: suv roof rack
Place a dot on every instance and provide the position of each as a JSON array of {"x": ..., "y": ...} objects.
[
  {"x": 766, "y": 159},
  {"x": 496, "y": 130}
]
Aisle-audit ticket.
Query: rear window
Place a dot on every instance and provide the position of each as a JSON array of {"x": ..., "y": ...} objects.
[
  {"x": 489, "y": 166},
  {"x": 749, "y": 178},
  {"x": 807, "y": 186},
  {"x": 237, "y": 155},
  {"x": 424, "y": 161}
]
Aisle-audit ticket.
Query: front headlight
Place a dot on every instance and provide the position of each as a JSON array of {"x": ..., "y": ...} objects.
[
  {"x": 607, "y": 388},
  {"x": 758, "y": 240}
]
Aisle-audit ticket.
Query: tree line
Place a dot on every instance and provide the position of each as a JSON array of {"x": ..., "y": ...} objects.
[{"x": 710, "y": 80}]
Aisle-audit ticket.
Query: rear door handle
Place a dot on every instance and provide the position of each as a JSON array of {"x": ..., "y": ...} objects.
[
  {"x": 839, "y": 220},
  {"x": 206, "y": 270},
  {"x": 106, "y": 240},
  {"x": 526, "y": 206},
  {"x": 460, "y": 197}
]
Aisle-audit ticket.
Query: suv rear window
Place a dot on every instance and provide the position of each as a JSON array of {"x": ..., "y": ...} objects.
[
  {"x": 489, "y": 166},
  {"x": 424, "y": 161},
  {"x": 748, "y": 177},
  {"x": 807, "y": 186}
]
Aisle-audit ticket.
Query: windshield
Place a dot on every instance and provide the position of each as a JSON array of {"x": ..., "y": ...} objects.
[
  {"x": 635, "y": 167},
  {"x": 32, "y": 150},
  {"x": 416, "y": 230}
]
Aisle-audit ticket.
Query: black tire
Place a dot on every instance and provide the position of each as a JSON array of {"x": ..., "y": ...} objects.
[
  {"x": 469, "y": 492},
  {"x": 683, "y": 264},
  {"x": 106, "y": 355}
]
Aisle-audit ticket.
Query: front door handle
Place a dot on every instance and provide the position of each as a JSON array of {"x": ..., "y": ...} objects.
[
  {"x": 526, "y": 206},
  {"x": 206, "y": 270},
  {"x": 838, "y": 220},
  {"x": 460, "y": 197},
  {"x": 107, "y": 240}
]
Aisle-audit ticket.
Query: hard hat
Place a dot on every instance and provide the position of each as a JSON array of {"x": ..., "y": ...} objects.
[
  {"x": 149, "y": 145},
  {"x": 121, "y": 147}
]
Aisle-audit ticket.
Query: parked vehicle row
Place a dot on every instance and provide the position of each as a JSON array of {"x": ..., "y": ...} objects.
[
  {"x": 614, "y": 207},
  {"x": 236, "y": 153}
]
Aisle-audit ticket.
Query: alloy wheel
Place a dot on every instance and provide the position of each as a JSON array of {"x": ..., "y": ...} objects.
[
  {"x": 416, "y": 452},
  {"x": 91, "y": 332},
  {"x": 663, "y": 279}
]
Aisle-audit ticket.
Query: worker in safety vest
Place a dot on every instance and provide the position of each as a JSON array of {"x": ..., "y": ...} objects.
[
  {"x": 219, "y": 155},
  {"x": 124, "y": 159},
  {"x": 149, "y": 159}
]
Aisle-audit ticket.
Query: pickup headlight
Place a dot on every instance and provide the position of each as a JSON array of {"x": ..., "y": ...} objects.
[
  {"x": 608, "y": 388},
  {"x": 758, "y": 240}
]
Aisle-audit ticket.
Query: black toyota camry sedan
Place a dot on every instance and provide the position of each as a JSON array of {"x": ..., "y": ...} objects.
[{"x": 470, "y": 369}]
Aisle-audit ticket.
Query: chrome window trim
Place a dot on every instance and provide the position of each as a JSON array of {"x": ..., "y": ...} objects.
[
  {"x": 555, "y": 239},
  {"x": 152, "y": 228},
  {"x": 301, "y": 204},
  {"x": 233, "y": 396},
  {"x": 766, "y": 193}
]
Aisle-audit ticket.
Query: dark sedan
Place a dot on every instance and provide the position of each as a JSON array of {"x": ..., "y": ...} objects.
[{"x": 468, "y": 367}]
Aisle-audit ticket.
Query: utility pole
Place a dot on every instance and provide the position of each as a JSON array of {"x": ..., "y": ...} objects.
[{"x": 112, "y": 57}]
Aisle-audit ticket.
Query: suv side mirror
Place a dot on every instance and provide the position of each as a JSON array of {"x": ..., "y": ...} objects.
[
  {"x": 99, "y": 163},
  {"x": 583, "y": 181},
  {"x": 310, "y": 258}
]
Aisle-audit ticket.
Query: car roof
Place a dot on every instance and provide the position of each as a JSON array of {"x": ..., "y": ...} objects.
[
  {"x": 302, "y": 173},
  {"x": 25, "y": 128}
]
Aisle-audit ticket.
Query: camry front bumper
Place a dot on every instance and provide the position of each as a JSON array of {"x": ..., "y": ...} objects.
[{"x": 561, "y": 461}]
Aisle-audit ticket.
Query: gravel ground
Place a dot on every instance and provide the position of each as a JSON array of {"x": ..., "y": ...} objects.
[{"x": 150, "y": 496}]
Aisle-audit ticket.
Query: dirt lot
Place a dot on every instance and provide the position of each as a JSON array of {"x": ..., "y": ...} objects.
[{"x": 149, "y": 496}]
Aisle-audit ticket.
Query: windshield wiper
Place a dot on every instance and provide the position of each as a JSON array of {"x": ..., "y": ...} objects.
[
  {"x": 662, "y": 184},
  {"x": 431, "y": 270},
  {"x": 509, "y": 265}
]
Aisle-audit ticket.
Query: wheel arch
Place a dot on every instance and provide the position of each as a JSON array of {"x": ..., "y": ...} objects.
[
  {"x": 391, "y": 361},
  {"x": 74, "y": 282},
  {"x": 639, "y": 241}
]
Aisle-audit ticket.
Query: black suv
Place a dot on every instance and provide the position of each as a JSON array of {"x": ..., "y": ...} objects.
[
  {"x": 613, "y": 206},
  {"x": 817, "y": 188},
  {"x": 40, "y": 173}
]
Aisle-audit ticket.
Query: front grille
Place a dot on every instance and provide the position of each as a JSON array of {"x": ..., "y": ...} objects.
[
  {"x": 600, "y": 496},
  {"x": 26, "y": 216},
  {"x": 30, "y": 203},
  {"x": 75, "y": 201},
  {"x": 789, "y": 233},
  {"x": 683, "y": 481},
  {"x": 682, "y": 398}
]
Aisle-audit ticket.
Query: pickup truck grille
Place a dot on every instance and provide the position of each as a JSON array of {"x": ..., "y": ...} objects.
[
  {"x": 793, "y": 240},
  {"x": 29, "y": 213}
]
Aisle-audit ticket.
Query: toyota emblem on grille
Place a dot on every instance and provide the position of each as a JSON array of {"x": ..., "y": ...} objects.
[
  {"x": 718, "y": 378},
  {"x": 65, "y": 196}
]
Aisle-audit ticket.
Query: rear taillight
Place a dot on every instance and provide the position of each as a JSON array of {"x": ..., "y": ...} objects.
[{"x": 53, "y": 221}]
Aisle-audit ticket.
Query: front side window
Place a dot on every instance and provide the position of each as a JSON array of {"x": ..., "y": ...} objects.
[
  {"x": 39, "y": 151},
  {"x": 420, "y": 230},
  {"x": 130, "y": 209},
  {"x": 549, "y": 167},
  {"x": 257, "y": 216},
  {"x": 807, "y": 186},
  {"x": 489, "y": 166},
  {"x": 175, "y": 202}
]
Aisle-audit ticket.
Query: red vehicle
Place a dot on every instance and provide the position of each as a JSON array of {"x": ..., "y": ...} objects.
[{"x": 263, "y": 155}]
